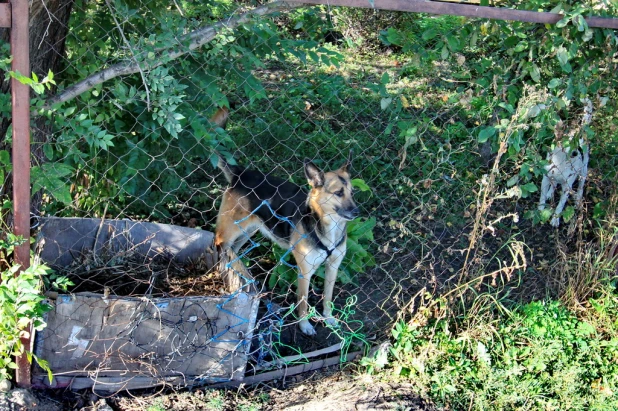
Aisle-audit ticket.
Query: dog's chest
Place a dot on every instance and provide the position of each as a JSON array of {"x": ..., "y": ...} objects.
[
  {"x": 310, "y": 254},
  {"x": 563, "y": 165}
]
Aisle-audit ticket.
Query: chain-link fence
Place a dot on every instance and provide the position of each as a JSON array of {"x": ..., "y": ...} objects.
[{"x": 449, "y": 150}]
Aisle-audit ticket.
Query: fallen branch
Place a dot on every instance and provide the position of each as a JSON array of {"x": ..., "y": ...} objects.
[{"x": 187, "y": 43}]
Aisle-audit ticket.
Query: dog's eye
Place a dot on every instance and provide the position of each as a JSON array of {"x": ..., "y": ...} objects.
[{"x": 339, "y": 193}]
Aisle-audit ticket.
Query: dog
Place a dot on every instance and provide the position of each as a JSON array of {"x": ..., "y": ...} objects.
[
  {"x": 566, "y": 165},
  {"x": 310, "y": 224},
  {"x": 564, "y": 168}
]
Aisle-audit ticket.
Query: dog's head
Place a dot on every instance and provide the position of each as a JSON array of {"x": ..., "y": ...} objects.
[{"x": 331, "y": 192}]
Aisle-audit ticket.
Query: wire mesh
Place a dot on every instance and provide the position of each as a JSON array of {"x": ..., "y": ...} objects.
[{"x": 444, "y": 201}]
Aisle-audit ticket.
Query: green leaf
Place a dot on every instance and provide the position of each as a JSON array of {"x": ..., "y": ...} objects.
[
  {"x": 530, "y": 187},
  {"x": 51, "y": 177},
  {"x": 385, "y": 79},
  {"x": 49, "y": 151},
  {"x": 453, "y": 43},
  {"x": 429, "y": 34},
  {"x": 385, "y": 102},
  {"x": 535, "y": 73},
  {"x": 563, "y": 59},
  {"x": 360, "y": 184},
  {"x": 511, "y": 41},
  {"x": 507, "y": 107},
  {"x": 512, "y": 181},
  {"x": 568, "y": 213},
  {"x": 580, "y": 22},
  {"x": 563, "y": 22},
  {"x": 5, "y": 158},
  {"x": 521, "y": 46},
  {"x": 359, "y": 228},
  {"x": 444, "y": 54},
  {"x": 553, "y": 83},
  {"x": 486, "y": 134},
  {"x": 314, "y": 56},
  {"x": 535, "y": 110},
  {"x": 527, "y": 189},
  {"x": 474, "y": 38}
]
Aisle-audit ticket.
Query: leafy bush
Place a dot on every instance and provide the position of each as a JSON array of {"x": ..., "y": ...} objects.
[
  {"x": 21, "y": 305},
  {"x": 539, "y": 356}
]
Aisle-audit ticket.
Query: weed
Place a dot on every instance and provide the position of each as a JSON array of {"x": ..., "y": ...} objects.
[
  {"x": 538, "y": 356},
  {"x": 158, "y": 406},
  {"x": 216, "y": 402},
  {"x": 22, "y": 307}
]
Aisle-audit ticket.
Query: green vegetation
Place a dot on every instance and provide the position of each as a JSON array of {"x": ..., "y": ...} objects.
[
  {"x": 538, "y": 356},
  {"x": 450, "y": 120},
  {"x": 22, "y": 306}
]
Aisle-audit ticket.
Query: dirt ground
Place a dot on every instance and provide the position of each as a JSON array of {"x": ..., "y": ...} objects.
[{"x": 324, "y": 390}]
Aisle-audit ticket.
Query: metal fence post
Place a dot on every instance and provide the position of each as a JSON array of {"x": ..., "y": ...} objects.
[{"x": 20, "y": 48}]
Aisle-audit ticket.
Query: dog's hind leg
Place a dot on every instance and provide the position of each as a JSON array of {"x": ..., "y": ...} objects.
[
  {"x": 235, "y": 223},
  {"x": 580, "y": 191},
  {"x": 242, "y": 239},
  {"x": 234, "y": 226},
  {"x": 583, "y": 173}
]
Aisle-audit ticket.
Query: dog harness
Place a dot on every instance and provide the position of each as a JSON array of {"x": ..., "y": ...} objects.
[{"x": 321, "y": 245}]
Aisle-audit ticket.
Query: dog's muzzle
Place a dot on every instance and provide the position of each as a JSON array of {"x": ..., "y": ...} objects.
[{"x": 349, "y": 213}]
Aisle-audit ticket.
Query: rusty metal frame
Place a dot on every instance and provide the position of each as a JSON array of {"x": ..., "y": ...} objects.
[
  {"x": 18, "y": 11},
  {"x": 457, "y": 9}
]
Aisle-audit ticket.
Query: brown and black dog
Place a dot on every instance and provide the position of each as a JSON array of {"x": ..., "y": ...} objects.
[{"x": 312, "y": 225}]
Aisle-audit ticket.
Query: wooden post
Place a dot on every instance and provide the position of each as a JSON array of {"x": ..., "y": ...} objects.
[{"x": 20, "y": 48}]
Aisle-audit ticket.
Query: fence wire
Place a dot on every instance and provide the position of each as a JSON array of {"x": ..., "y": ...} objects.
[{"x": 446, "y": 201}]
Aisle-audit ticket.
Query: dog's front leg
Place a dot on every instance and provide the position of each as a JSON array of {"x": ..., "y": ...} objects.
[
  {"x": 567, "y": 186},
  {"x": 306, "y": 270},
  {"x": 332, "y": 267},
  {"x": 547, "y": 191}
]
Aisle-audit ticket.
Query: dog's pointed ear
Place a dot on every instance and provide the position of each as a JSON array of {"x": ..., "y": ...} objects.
[
  {"x": 315, "y": 176},
  {"x": 348, "y": 163}
]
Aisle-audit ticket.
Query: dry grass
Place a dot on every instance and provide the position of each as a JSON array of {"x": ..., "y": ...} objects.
[{"x": 132, "y": 274}]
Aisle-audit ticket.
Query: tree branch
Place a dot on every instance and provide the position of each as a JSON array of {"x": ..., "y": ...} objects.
[
  {"x": 126, "y": 42},
  {"x": 188, "y": 43}
]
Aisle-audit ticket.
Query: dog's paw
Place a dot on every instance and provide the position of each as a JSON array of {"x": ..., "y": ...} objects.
[
  {"x": 331, "y": 321},
  {"x": 306, "y": 327},
  {"x": 555, "y": 222}
]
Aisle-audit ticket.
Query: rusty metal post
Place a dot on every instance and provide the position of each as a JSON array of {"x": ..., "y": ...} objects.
[{"x": 20, "y": 49}]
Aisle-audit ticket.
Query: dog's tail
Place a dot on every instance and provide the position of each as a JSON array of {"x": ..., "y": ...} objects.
[{"x": 230, "y": 171}]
